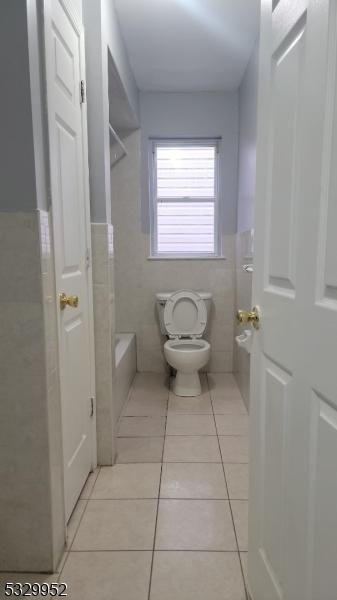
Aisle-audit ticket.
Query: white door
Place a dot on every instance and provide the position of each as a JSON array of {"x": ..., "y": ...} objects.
[
  {"x": 69, "y": 177},
  {"x": 293, "y": 482}
]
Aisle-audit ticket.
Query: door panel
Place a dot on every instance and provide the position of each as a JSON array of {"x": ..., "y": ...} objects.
[
  {"x": 69, "y": 196},
  {"x": 277, "y": 383},
  {"x": 293, "y": 477},
  {"x": 287, "y": 68},
  {"x": 69, "y": 172},
  {"x": 324, "y": 521}
]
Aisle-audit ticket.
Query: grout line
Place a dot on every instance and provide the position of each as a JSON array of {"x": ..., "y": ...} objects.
[
  {"x": 132, "y": 499},
  {"x": 139, "y": 436},
  {"x": 149, "y": 550},
  {"x": 86, "y": 500},
  {"x": 157, "y": 513},
  {"x": 230, "y": 506},
  {"x": 175, "y": 435},
  {"x": 179, "y": 462},
  {"x": 242, "y": 435},
  {"x": 243, "y": 575}
]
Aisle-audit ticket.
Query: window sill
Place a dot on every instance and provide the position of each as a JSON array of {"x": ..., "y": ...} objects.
[{"x": 186, "y": 258}]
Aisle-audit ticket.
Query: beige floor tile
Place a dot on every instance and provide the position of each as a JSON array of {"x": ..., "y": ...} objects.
[
  {"x": 196, "y": 405},
  {"x": 237, "y": 481},
  {"x": 240, "y": 516},
  {"x": 244, "y": 562},
  {"x": 194, "y": 525},
  {"x": 117, "y": 525},
  {"x": 232, "y": 424},
  {"x": 190, "y": 425},
  {"x": 228, "y": 406},
  {"x": 142, "y": 449},
  {"x": 107, "y": 575},
  {"x": 221, "y": 384},
  {"x": 193, "y": 480},
  {"x": 127, "y": 481},
  {"x": 196, "y": 576},
  {"x": 89, "y": 484},
  {"x": 141, "y": 426},
  {"x": 75, "y": 521},
  {"x": 62, "y": 561},
  {"x": 145, "y": 406},
  {"x": 150, "y": 384},
  {"x": 234, "y": 449},
  {"x": 191, "y": 449}
]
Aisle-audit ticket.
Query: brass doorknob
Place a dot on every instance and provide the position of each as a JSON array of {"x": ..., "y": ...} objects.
[
  {"x": 68, "y": 301},
  {"x": 249, "y": 316}
]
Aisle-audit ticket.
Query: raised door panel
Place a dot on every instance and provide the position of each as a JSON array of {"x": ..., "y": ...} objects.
[
  {"x": 72, "y": 245},
  {"x": 286, "y": 77},
  {"x": 327, "y": 254},
  {"x": 322, "y": 571},
  {"x": 64, "y": 66},
  {"x": 275, "y": 397}
]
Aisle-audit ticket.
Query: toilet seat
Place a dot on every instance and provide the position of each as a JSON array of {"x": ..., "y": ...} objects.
[
  {"x": 185, "y": 315},
  {"x": 187, "y": 345}
]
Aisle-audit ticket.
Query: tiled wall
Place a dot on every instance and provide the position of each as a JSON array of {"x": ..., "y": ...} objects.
[
  {"x": 104, "y": 326},
  {"x": 244, "y": 253},
  {"x": 31, "y": 464},
  {"x": 53, "y": 383},
  {"x": 138, "y": 279}
]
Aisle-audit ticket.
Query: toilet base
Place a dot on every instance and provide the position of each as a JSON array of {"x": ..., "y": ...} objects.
[{"x": 187, "y": 384}]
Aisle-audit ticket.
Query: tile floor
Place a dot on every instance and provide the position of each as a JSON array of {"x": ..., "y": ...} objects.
[{"x": 169, "y": 520}]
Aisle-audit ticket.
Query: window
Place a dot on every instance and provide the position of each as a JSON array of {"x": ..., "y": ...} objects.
[{"x": 185, "y": 206}]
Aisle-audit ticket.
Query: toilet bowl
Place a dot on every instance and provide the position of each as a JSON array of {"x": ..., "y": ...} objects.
[
  {"x": 183, "y": 319},
  {"x": 187, "y": 356}
]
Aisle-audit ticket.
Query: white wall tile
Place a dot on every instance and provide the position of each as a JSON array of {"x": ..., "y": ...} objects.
[
  {"x": 104, "y": 329},
  {"x": 137, "y": 279},
  {"x": 31, "y": 472}
]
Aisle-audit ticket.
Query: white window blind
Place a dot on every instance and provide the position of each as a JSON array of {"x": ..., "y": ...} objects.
[{"x": 185, "y": 220}]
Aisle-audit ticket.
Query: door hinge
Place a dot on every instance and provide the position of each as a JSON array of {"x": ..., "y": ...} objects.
[
  {"x": 92, "y": 406},
  {"x": 82, "y": 92}
]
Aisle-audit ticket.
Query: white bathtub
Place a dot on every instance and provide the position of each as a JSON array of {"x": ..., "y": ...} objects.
[{"x": 126, "y": 366}]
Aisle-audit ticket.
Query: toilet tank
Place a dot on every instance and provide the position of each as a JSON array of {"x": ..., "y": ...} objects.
[{"x": 162, "y": 297}]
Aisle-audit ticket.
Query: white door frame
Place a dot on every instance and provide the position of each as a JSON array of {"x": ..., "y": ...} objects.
[{"x": 88, "y": 239}]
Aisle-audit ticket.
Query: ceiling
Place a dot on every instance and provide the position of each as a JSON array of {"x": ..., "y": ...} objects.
[{"x": 188, "y": 45}]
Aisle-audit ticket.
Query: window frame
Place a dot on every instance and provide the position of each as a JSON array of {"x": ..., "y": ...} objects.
[{"x": 166, "y": 142}]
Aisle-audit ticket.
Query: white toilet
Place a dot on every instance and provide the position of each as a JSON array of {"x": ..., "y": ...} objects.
[{"x": 183, "y": 318}]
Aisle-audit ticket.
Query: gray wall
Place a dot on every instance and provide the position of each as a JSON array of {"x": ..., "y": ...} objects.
[
  {"x": 102, "y": 33},
  {"x": 17, "y": 167},
  {"x": 247, "y": 143},
  {"x": 24, "y": 170},
  {"x": 201, "y": 114}
]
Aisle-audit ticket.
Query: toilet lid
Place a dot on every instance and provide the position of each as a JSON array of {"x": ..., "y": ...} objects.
[{"x": 185, "y": 314}]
